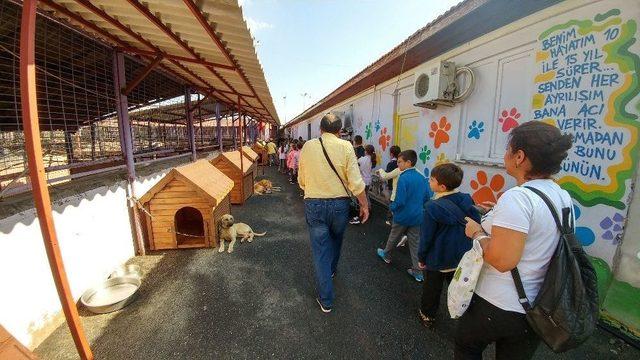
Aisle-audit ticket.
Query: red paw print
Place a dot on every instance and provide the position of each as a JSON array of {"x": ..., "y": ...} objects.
[
  {"x": 509, "y": 119},
  {"x": 484, "y": 192},
  {"x": 384, "y": 139},
  {"x": 440, "y": 132}
]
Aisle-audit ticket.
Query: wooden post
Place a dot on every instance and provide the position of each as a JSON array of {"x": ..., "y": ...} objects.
[
  {"x": 93, "y": 128},
  {"x": 241, "y": 155},
  {"x": 41, "y": 197},
  {"x": 218, "y": 125},
  {"x": 190, "y": 131},
  {"x": 68, "y": 145},
  {"x": 122, "y": 109}
]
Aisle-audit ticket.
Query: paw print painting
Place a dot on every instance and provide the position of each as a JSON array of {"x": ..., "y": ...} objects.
[
  {"x": 475, "y": 129},
  {"x": 367, "y": 131},
  {"x": 612, "y": 227},
  {"x": 584, "y": 234},
  {"x": 509, "y": 119},
  {"x": 378, "y": 125},
  {"x": 440, "y": 132},
  {"x": 425, "y": 154},
  {"x": 384, "y": 139},
  {"x": 442, "y": 159},
  {"x": 485, "y": 190}
]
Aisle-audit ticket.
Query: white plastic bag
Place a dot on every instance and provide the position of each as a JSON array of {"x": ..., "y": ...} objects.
[{"x": 464, "y": 281}]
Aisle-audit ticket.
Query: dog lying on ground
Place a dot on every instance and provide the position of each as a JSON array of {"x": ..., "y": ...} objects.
[
  {"x": 229, "y": 230},
  {"x": 265, "y": 186}
]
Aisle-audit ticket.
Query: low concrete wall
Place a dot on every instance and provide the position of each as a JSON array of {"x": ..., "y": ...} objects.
[{"x": 94, "y": 233}]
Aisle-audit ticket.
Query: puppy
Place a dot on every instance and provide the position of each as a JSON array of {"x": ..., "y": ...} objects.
[{"x": 229, "y": 231}]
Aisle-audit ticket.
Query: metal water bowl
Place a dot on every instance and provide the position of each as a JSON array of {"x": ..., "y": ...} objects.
[{"x": 111, "y": 295}]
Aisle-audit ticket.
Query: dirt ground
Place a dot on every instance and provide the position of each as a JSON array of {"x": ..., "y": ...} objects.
[{"x": 258, "y": 302}]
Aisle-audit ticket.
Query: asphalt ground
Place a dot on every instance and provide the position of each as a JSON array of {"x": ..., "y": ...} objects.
[{"x": 258, "y": 302}]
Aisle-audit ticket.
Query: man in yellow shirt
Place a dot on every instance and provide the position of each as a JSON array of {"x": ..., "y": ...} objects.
[
  {"x": 271, "y": 151},
  {"x": 326, "y": 200}
]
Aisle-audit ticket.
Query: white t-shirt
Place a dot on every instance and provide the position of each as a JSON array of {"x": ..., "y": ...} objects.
[
  {"x": 282, "y": 154},
  {"x": 522, "y": 210},
  {"x": 365, "y": 169}
]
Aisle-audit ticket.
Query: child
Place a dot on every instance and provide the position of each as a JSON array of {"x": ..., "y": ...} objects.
[
  {"x": 282, "y": 156},
  {"x": 295, "y": 157},
  {"x": 408, "y": 211},
  {"x": 366, "y": 163},
  {"x": 391, "y": 175},
  {"x": 357, "y": 146},
  {"x": 442, "y": 237}
]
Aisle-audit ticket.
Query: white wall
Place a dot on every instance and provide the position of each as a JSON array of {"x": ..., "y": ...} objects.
[{"x": 95, "y": 236}]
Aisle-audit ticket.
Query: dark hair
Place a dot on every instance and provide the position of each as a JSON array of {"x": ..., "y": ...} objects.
[
  {"x": 409, "y": 155},
  {"x": 299, "y": 145},
  {"x": 395, "y": 150},
  {"x": 449, "y": 174},
  {"x": 358, "y": 139},
  {"x": 543, "y": 144},
  {"x": 371, "y": 151},
  {"x": 331, "y": 123}
]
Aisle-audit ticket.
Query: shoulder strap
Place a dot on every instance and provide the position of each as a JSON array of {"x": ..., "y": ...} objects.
[
  {"x": 333, "y": 167},
  {"x": 564, "y": 228},
  {"x": 452, "y": 207}
]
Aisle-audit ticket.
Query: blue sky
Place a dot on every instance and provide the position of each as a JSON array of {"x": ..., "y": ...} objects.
[{"x": 313, "y": 47}]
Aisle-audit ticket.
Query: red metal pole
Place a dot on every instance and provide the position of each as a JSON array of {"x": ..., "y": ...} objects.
[
  {"x": 41, "y": 197},
  {"x": 190, "y": 131}
]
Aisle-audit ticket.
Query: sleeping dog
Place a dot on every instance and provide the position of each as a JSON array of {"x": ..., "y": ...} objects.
[
  {"x": 229, "y": 231},
  {"x": 265, "y": 186}
]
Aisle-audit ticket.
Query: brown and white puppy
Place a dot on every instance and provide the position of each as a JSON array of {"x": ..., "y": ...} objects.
[{"x": 229, "y": 230}]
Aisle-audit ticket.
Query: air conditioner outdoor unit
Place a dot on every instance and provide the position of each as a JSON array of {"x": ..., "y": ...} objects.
[{"x": 435, "y": 85}]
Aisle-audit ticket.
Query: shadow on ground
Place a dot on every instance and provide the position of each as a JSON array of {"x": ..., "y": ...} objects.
[{"x": 258, "y": 302}]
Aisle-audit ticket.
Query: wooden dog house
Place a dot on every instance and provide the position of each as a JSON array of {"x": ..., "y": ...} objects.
[
  {"x": 185, "y": 205},
  {"x": 229, "y": 163},
  {"x": 253, "y": 157},
  {"x": 262, "y": 153}
]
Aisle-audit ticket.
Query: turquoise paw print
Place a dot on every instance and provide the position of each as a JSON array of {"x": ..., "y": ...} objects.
[
  {"x": 584, "y": 234},
  {"x": 367, "y": 131},
  {"x": 378, "y": 125},
  {"x": 475, "y": 129},
  {"x": 425, "y": 154}
]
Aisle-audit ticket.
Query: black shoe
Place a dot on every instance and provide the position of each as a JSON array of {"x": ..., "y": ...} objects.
[
  {"x": 325, "y": 309},
  {"x": 333, "y": 275},
  {"x": 425, "y": 320}
]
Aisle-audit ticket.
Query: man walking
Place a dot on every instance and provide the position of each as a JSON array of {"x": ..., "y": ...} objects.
[
  {"x": 271, "y": 152},
  {"x": 326, "y": 200}
]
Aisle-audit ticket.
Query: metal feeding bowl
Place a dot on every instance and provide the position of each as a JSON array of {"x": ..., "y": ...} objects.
[
  {"x": 111, "y": 295},
  {"x": 127, "y": 270}
]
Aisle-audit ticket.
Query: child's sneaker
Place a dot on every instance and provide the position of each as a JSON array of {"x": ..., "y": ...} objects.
[
  {"x": 417, "y": 275},
  {"x": 383, "y": 256},
  {"x": 388, "y": 222},
  {"x": 402, "y": 241},
  {"x": 425, "y": 320},
  {"x": 354, "y": 221}
]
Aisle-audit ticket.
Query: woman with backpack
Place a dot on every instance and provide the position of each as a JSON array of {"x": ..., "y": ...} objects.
[{"x": 518, "y": 232}]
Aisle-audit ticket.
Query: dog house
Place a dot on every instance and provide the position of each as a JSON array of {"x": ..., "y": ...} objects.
[
  {"x": 183, "y": 207},
  {"x": 262, "y": 153},
  {"x": 253, "y": 157},
  {"x": 229, "y": 163}
]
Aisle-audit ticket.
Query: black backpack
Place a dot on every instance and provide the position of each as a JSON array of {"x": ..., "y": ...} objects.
[{"x": 565, "y": 312}]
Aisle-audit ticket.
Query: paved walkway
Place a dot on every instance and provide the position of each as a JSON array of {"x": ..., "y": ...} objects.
[{"x": 258, "y": 302}]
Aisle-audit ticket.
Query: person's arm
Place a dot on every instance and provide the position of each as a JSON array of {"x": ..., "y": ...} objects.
[
  {"x": 401, "y": 196},
  {"x": 427, "y": 234},
  {"x": 384, "y": 175},
  {"x": 301, "y": 169},
  {"x": 511, "y": 219}
]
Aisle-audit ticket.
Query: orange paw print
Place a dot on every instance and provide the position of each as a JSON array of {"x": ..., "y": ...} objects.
[
  {"x": 482, "y": 191},
  {"x": 440, "y": 132},
  {"x": 384, "y": 139}
]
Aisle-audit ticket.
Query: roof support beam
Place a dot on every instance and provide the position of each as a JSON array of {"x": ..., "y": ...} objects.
[
  {"x": 42, "y": 200},
  {"x": 200, "y": 17},
  {"x": 137, "y": 51},
  {"x": 143, "y": 74}
]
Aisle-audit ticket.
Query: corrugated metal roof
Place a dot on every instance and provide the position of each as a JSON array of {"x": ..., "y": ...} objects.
[{"x": 207, "y": 43}]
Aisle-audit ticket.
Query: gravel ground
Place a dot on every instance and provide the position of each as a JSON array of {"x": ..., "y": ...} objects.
[{"x": 258, "y": 302}]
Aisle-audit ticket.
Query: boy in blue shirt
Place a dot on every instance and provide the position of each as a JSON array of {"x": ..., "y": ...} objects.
[
  {"x": 408, "y": 210},
  {"x": 442, "y": 237}
]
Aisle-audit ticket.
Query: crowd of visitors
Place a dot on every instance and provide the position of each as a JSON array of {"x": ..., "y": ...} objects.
[{"x": 439, "y": 223}]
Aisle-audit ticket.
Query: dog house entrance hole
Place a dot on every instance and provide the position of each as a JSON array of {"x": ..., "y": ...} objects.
[{"x": 189, "y": 227}]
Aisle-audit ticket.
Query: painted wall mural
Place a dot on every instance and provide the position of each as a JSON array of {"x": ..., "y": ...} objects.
[
  {"x": 587, "y": 79},
  {"x": 587, "y": 85}
]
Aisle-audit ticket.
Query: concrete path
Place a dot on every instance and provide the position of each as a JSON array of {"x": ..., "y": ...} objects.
[{"x": 258, "y": 302}]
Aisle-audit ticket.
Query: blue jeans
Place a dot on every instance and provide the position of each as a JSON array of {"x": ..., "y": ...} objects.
[{"x": 327, "y": 221}]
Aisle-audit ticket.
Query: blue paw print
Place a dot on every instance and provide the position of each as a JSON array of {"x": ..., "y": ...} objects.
[
  {"x": 378, "y": 125},
  {"x": 475, "y": 129},
  {"x": 612, "y": 227},
  {"x": 426, "y": 172},
  {"x": 584, "y": 234}
]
